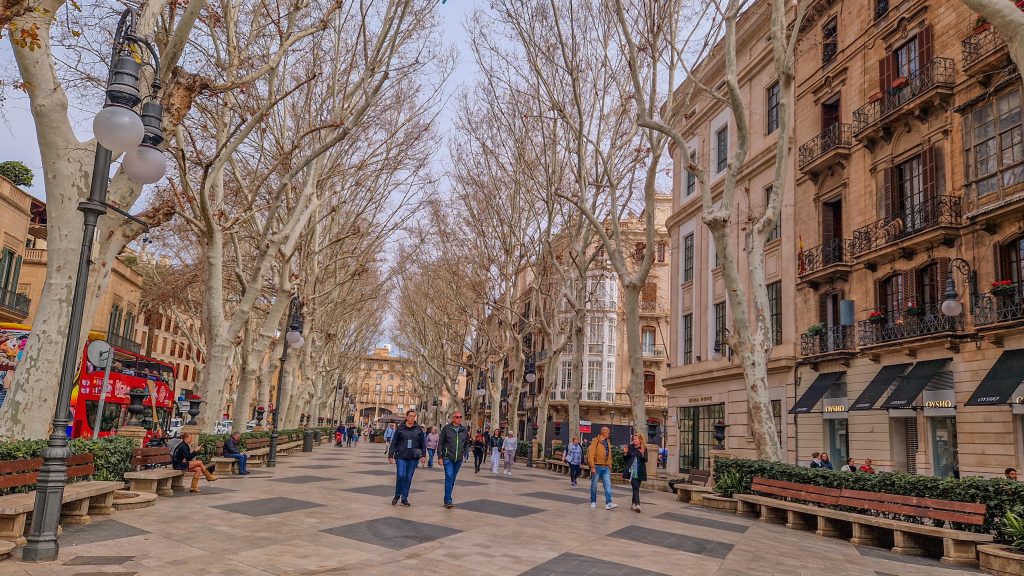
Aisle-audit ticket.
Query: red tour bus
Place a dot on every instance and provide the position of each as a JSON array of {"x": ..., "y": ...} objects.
[{"x": 130, "y": 370}]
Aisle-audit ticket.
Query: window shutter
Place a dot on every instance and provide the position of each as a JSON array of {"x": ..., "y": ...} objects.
[
  {"x": 878, "y": 294},
  {"x": 888, "y": 203},
  {"x": 928, "y": 173},
  {"x": 924, "y": 47},
  {"x": 997, "y": 261},
  {"x": 942, "y": 267},
  {"x": 823, "y": 308},
  {"x": 883, "y": 74},
  {"x": 828, "y": 223},
  {"x": 909, "y": 287}
]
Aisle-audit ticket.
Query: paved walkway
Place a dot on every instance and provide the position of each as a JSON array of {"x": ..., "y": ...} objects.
[{"x": 329, "y": 513}]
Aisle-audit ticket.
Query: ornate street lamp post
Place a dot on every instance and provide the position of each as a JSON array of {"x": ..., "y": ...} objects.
[
  {"x": 118, "y": 129},
  {"x": 293, "y": 338}
]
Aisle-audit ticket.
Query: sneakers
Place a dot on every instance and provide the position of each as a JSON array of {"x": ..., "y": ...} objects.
[
  {"x": 637, "y": 509},
  {"x": 611, "y": 506},
  {"x": 449, "y": 505},
  {"x": 573, "y": 483},
  {"x": 507, "y": 473},
  {"x": 406, "y": 503},
  {"x": 394, "y": 500},
  {"x": 593, "y": 504}
]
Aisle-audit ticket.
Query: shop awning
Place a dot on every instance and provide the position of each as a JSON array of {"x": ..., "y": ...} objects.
[
  {"x": 878, "y": 385},
  {"x": 1001, "y": 381},
  {"x": 816, "y": 390},
  {"x": 913, "y": 383}
]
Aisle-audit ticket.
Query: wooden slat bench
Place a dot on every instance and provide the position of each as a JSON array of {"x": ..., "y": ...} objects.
[
  {"x": 288, "y": 443},
  {"x": 79, "y": 501},
  {"x": 257, "y": 449},
  {"x": 695, "y": 487},
  {"x": 153, "y": 472},
  {"x": 953, "y": 546},
  {"x": 223, "y": 465}
]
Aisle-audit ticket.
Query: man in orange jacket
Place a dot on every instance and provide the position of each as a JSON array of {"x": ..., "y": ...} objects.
[{"x": 599, "y": 458}]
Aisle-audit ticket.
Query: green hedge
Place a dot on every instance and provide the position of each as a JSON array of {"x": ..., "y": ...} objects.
[
  {"x": 113, "y": 456},
  {"x": 1001, "y": 496}
]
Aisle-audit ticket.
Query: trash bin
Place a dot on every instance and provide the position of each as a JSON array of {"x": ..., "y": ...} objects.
[
  {"x": 318, "y": 436},
  {"x": 307, "y": 441}
]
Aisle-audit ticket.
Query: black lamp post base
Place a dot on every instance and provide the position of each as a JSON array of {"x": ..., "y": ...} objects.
[{"x": 40, "y": 550}]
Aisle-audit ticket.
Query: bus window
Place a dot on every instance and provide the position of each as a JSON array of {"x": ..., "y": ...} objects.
[{"x": 111, "y": 415}]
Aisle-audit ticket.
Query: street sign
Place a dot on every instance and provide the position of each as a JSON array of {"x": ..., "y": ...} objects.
[{"x": 584, "y": 426}]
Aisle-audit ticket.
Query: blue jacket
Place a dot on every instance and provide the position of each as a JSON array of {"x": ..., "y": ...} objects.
[
  {"x": 231, "y": 447},
  {"x": 574, "y": 454}
]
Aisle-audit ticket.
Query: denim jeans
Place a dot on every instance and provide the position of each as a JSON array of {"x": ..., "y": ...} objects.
[
  {"x": 243, "y": 460},
  {"x": 603, "y": 473},
  {"x": 574, "y": 472},
  {"x": 406, "y": 467},
  {"x": 451, "y": 470},
  {"x": 430, "y": 458}
]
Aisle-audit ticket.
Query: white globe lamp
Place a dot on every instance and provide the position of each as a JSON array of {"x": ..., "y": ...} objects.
[{"x": 118, "y": 129}]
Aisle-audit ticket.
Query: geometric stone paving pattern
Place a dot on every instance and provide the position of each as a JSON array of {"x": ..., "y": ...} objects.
[{"x": 283, "y": 522}]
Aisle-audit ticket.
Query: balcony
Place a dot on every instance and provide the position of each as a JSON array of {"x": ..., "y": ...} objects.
[
  {"x": 650, "y": 400},
  {"x": 928, "y": 87},
  {"x": 835, "y": 340},
  {"x": 14, "y": 304},
  {"x": 927, "y": 322},
  {"x": 653, "y": 309},
  {"x": 984, "y": 52},
  {"x": 995, "y": 309},
  {"x": 832, "y": 259},
  {"x": 124, "y": 342},
  {"x": 935, "y": 214},
  {"x": 826, "y": 149},
  {"x": 655, "y": 352},
  {"x": 36, "y": 255}
]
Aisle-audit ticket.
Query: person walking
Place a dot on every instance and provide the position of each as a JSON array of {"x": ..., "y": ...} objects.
[
  {"x": 185, "y": 460},
  {"x": 408, "y": 444},
  {"x": 573, "y": 456},
  {"x": 636, "y": 467},
  {"x": 451, "y": 449},
  {"x": 479, "y": 446},
  {"x": 495, "y": 451},
  {"x": 508, "y": 452},
  {"x": 389, "y": 434},
  {"x": 599, "y": 459},
  {"x": 432, "y": 438}
]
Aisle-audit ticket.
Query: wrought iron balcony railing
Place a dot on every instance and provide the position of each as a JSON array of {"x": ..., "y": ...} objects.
[
  {"x": 124, "y": 342},
  {"x": 926, "y": 321},
  {"x": 929, "y": 213},
  {"x": 652, "y": 308},
  {"x": 939, "y": 72},
  {"x": 834, "y": 136},
  {"x": 832, "y": 252},
  {"x": 881, "y": 8},
  {"x": 1003, "y": 305},
  {"x": 977, "y": 46},
  {"x": 833, "y": 339},
  {"x": 14, "y": 302}
]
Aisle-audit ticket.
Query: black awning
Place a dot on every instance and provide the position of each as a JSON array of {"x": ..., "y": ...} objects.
[
  {"x": 816, "y": 390},
  {"x": 913, "y": 383},
  {"x": 1001, "y": 381},
  {"x": 878, "y": 385}
]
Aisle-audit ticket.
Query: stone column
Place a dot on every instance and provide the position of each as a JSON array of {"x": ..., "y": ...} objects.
[{"x": 652, "y": 461}]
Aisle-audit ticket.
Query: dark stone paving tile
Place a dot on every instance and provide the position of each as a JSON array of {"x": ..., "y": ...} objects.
[
  {"x": 98, "y": 560},
  {"x": 575, "y": 564},
  {"x": 104, "y": 574},
  {"x": 703, "y": 522},
  {"x": 497, "y": 508},
  {"x": 303, "y": 479},
  {"x": 556, "y": 497},
  {"x": 510, "y": 478},
  {"x": 317, "y": 467},
  {"x": 673, "y": 541},
  {"x": 373, "y": 472},
  {"x": 98, "y": 531},
  {"x": 393, "y": 533},
  {"x": 883, "y": 554},
  {"x": 374, "y": 463},
  {"x": 250, "y": 475},
  {"x": 267, "y": 506},
  {"x": 459, "y": 482},
  {"x": 379, "y": 490}
]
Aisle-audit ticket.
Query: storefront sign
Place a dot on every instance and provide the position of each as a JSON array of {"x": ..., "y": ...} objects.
[
  {"x": 837, "y": 408},
  {"x": 939, "y": 404},
  {"x": 699, "y": 399},
  {"x": 834, "y": 409}
]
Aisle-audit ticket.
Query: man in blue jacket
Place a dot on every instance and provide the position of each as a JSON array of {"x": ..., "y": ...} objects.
[{"x": 231, "y": 450}]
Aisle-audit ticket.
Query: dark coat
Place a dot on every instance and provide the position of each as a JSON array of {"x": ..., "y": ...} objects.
[
  {"x": 181, "y": 456},
  {"x": 453, "y": 443},
  {"x": 633, "y": 453},
  {"x": 231, "y": 447},
  {"x": 408, "y": 443}
]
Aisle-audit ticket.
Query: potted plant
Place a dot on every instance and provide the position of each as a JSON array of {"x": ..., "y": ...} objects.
[
  {"x": 815, "y": 329},
  {"x": 875, "y": 96},
  {"x": 1005, "y": 559},
  {"x": 876, "y": 317},
  {"x": 899, "y": 82},
  {"x": 981, "y": 24},
  {"x": 1003, "y": 288},
  {"x": 913, "y": 309}
]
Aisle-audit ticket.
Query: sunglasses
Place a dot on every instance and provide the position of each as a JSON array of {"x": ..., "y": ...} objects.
[{"x": 457, "y": 417}]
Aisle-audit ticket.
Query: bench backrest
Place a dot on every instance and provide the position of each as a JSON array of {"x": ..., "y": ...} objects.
[
  {"x": 962, "y": 512},
  {"x": 699, "y": 477},
  {"x": 151, "y": 457},
  {"x": 18, "y": 473},
  {"x": 796, "y": 491},
  {"x": 256, "y": 443},
  {"x": 81, "y": 465}
]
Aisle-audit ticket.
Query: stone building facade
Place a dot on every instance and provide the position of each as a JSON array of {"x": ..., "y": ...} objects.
[{"x": 909, "y": 198}]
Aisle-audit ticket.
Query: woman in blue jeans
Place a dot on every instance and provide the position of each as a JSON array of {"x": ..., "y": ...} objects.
[
  {"x": 408, "y": 445},
  {"x": 573, "y": 456}
]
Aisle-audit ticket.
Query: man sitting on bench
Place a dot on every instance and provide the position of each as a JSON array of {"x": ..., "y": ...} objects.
[{"x": 231, "y": 450}]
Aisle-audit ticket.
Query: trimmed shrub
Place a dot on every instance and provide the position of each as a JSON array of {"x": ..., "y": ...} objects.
[
  {"x": 1000, "y": 496},
  {"x": 113, "y": 456}
]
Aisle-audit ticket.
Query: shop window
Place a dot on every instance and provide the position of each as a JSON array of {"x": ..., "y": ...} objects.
[
  {"x": 838, "y": 441},
  {"x": 944, "y": 447},
  {"x": 697, "y": 435}
]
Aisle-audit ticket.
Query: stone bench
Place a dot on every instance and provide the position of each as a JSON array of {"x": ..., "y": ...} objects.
[
  {"x": 80, "y": 499},
  {"x": 958, "y": 547},
  {"x": 257, "y": 449},
  {"x": 153, "y": 473}
]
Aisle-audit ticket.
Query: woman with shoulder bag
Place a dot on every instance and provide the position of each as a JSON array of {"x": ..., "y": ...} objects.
[
  {"x": 573, "y": 456},
  {"x": 636, "y": 467},
  {"x": 408, "y": 445}
]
